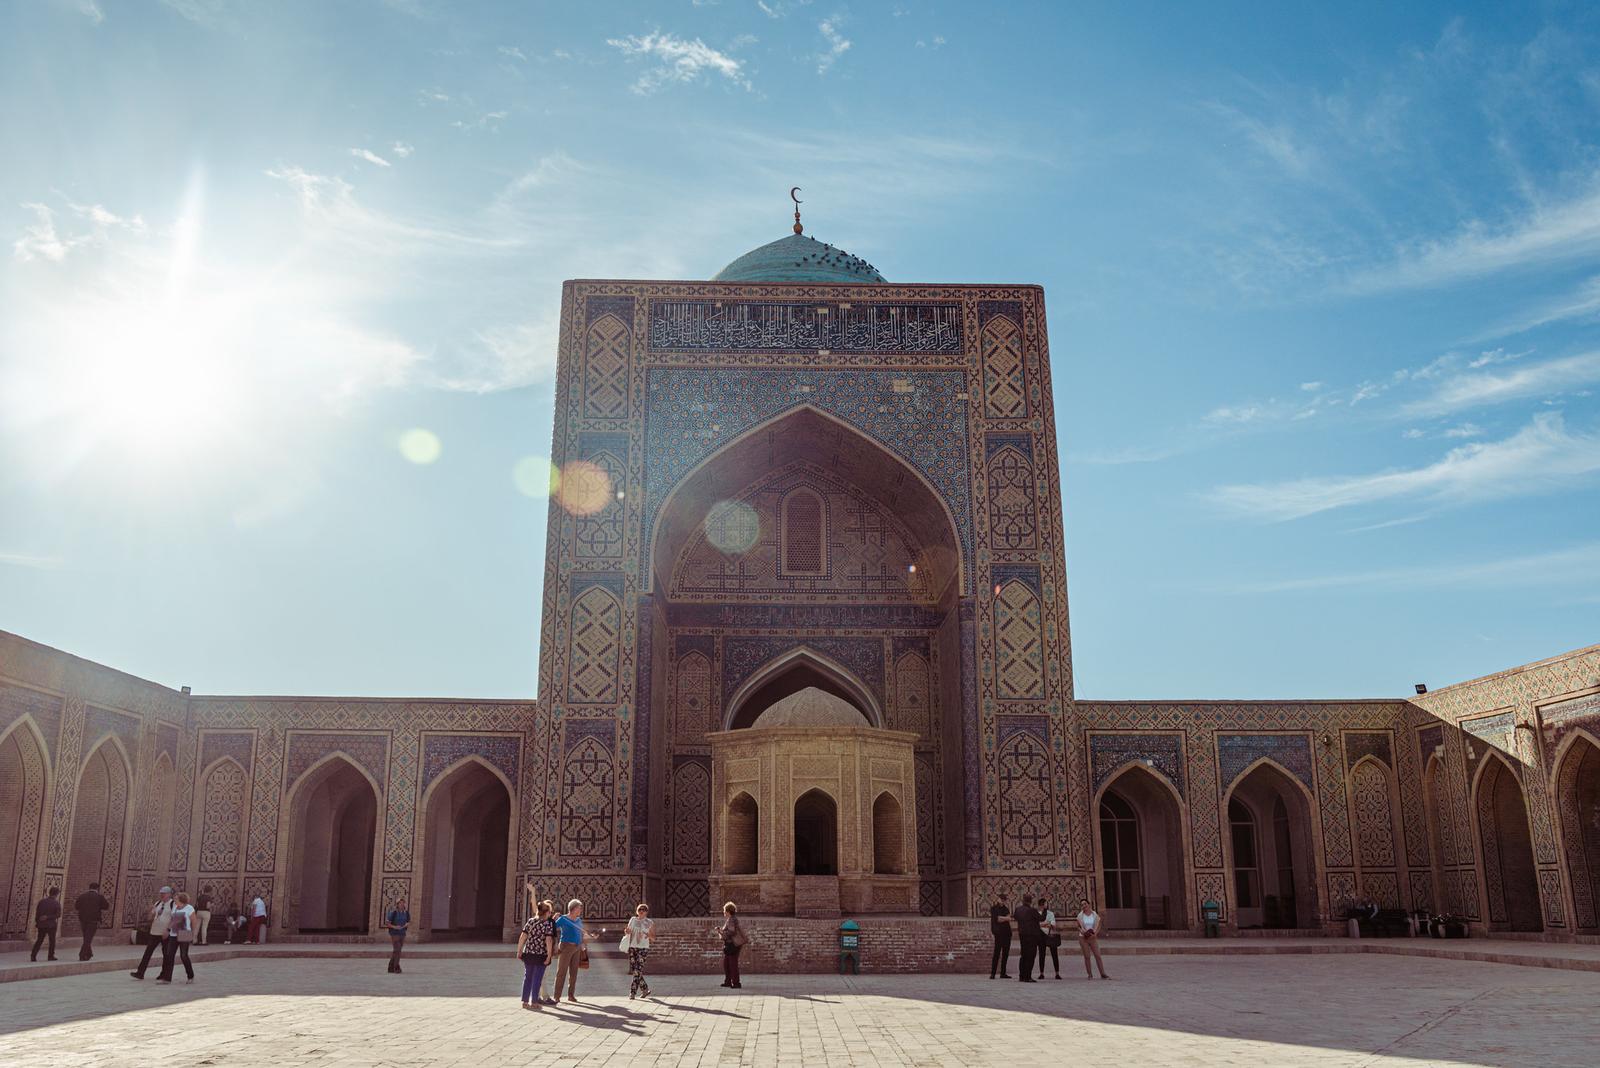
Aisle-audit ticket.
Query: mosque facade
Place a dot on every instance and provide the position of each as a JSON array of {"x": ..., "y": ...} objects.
[{"x": 805, "y": 646}]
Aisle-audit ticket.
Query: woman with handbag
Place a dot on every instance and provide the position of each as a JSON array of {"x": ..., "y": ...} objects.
[
  {"x": 180, "y": 935},
  {"x": 1052, "y": 939},
  {"x": 637, "y": 943},
  {"x": 1089, "y": 939},
  {"x": 733, "y": 940},
  {"x": 535, "y": 946}
]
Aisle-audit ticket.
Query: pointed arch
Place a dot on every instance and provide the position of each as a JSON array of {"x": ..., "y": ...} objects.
[
  {"x": 1290, "y": 886},
  {"x": 331, "y": 840},
  {"x": 801, "y": 432},
  {"x": 741, "y": 851},
  {"x": 1374, "y": 802},
  {"x": 803, "y": 533},
  {"x": 888, "y": 835},
  {"x": 816, "y": 833},
  {"x": 845, "y": 683},
  {"x": 1440, "y": 829},
  {"x": 692, "y": 690},
  {"x": 102, "y": 817},
  {"x": 466, "y": 832},
  {"x": 1162, "y": 848},
  {"x": 25, "y": 783},
  {"x": 913, "y": 694},
  {"x": 1506, "y": 872},
  {"x": 223, "y": 800},
  {"x": 1576, "y": 782},
  {"x": 588, "y": 799},
  {"x": 160, "y": 796}
]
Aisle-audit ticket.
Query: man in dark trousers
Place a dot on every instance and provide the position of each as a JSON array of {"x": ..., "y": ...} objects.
[
  {"x": 1027, "y": 918},
  {"x": 46, "y": 915},
  {"x": 90, "y": 907},
  {"x": 1000, "y": 927}
]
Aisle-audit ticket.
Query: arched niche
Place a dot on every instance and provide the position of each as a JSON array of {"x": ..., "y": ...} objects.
[
  {"x": 332, "y": 848},
  {"x": 816, "y": 834},
  {"x": 888, "y": 835},
  {"x": 24, "y": 789},
  {"x": 1140, "y": 851},
  {"x": 1271, "y": 849},
  {"x": 743, "y": 830},
  {"x": 100, "y": 814},
  {"x": 1577, "y": 785},
  {"x": 1505, "y": 844},
  {"x": 466, "y": 853},
  {"x": 790, "y": 673}
]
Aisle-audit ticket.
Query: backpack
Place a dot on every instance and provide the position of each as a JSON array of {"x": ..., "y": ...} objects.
[{"x": 180, "y": 921}]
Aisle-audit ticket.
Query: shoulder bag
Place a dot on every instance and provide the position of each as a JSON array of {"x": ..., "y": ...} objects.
[{"x": 583, "y": 955}]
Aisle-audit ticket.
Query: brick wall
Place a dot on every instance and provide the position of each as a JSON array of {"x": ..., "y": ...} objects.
[{"x": 781, "y": 944}]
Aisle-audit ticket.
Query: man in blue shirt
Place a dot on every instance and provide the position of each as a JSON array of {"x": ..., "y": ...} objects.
[
  {"x": 570, "y": 937},
  {"x": 397, "y": 920}
]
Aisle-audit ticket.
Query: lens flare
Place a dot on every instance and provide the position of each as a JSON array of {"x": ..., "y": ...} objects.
[
  {"x": 585, "y": 488},
  {"x": 732, "y": 527},
  {"x": 420, "y": 446},
  {"x": 536, "y": 477}
]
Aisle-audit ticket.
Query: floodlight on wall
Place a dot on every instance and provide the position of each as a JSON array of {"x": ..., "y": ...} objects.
[{"x": 1422, "y": 688}]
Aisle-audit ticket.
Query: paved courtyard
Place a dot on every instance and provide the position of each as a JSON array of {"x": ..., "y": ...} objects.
[{"x": 1276, "y": 1010}]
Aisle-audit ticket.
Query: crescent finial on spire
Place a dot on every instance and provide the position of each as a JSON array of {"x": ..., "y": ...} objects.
[{"x": 797, "y": 202}]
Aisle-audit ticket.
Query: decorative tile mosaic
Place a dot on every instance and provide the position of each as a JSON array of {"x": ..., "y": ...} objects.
[
  {"x": 1161, "y": 752},
  {"x": 1236, "y": 752}
]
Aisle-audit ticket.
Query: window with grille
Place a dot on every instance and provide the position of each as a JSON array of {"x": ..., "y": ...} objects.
[
  {"x": 804, "y": 536},
  {"x": 1119, "y": 851},
  {"x": 1246, "y": 868}
]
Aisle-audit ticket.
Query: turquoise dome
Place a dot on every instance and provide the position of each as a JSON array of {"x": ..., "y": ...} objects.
[{"x": 798, "y": 258}]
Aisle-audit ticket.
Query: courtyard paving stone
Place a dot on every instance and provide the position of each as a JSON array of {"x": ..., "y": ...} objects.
[{"x": 1312, "y": 1009}]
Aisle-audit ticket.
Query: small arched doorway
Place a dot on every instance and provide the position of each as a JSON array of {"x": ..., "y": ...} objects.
[
  {"x": 1440, "y": 849},
  {"x": 816, "y": 834},
  {"x": 888, "y": 836},
  {"x": 744, "y": 836},
  {"x": 466, "y": 839},
  {"x": 22, "y": 800},
  {"x": 1141, "y": 853},
  {"x": 1578, "y": 801},
  {"x": 1270, "y": 850},
  {"x": 333, "y": 831},
  {"x": 1509, "y": 881},
  {"x": 99, "y": 818}
]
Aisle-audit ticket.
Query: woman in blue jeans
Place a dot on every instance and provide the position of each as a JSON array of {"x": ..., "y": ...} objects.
[{"x": 535, "y": 946}]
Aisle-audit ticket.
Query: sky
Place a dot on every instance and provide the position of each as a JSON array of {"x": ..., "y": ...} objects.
[{"x": 279, "y": 285}]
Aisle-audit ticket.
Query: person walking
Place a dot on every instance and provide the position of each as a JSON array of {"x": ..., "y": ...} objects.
[
  {"x": 180, "y": 935},
  {"x": 202, "y": 915},
  {"x": 570, "y": 954},
  {"x": 398, "y": 921},
  {"x": 1028, "y": 933},
  {"x": 733, "y": 941},
  {"x": 535, "y": 946},
  {"x": 46, "y": 917},
  {"x": 90, "y": 907},
  {"x": 1051, "y": 940},
  {"x": 638, "y": 950},
  {"x": 1000, "y": 927},
  {"x": 258, "y": 921},
  {"x": 1089, "y": 939},
  {"x": 160, "y": 920},
  {"x": 233, "y": 924}
]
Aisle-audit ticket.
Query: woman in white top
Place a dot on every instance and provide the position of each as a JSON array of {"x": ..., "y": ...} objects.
[
  {"x": 1052, "y": 939},
  {"x": 1089, "y": 939},
  {"x": 638, "y": 950}
]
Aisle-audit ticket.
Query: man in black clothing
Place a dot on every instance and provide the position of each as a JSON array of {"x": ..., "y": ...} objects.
[
  {"x": 46, "y": 914},
  {"x": 90, "y": 906},
  {"x": 1027, "y": 918},
  {"x": 1000, "y": 927}
]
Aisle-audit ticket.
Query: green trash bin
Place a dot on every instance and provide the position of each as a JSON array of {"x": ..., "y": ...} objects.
[
  {"x": 850, "y": 947},
  {"x": 1211, "y": 916}
]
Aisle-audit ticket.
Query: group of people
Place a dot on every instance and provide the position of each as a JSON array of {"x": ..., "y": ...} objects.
[
  {"x": 1039, "y": 931},
  {"x": 174, "y": 924}
]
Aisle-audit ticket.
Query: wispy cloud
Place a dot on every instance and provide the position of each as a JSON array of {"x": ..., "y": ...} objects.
[
  {"x": 678, "y": 61},
  {"x": 1541, "y": 456},
  {"x": 1578, "y": 564},
  {"x": 513, "y": 52},
  {"x": 89, "y": 9},
  {"x": 203, "y": 12},
  {"x": 1582, "y": 303},
  {"x": 1459, "y": 392},
  {"x": 489, "y": 120},
  {"x": 370, "y": 156},
  {"x": 42, "y": 240},
  {"x": 1279, "y": 142},
  {"x": 1546, "y": 233},
  {"x": 836, "y": 44},
  {"x": 401, "y": 149},
  {"x": 34, "y": 561}
]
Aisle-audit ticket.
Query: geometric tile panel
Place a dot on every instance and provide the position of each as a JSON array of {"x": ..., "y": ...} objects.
[
  {"x": 369, "y": 751},
  {"x": 1236, "y": 752},
  {"x": 439, "y": 751},
  {"x": 1162, "y": 752},
  {"x": 1358, "y": 744}
]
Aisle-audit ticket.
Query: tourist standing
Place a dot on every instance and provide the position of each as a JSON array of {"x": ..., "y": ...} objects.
[
  {"x": 1000, "y": 927},
  {"x": 570, "y": 954},
  {"x": 180, "y": 934},
  {"x": 258, "y": 921},
  {"x": 202, "y": 915},
  {"x": 90, "y": 907},
  {"x": 1028, "y": 932},
  {"x": 733, "y": 940},
  {"x": 535, "y": 946},
  {"x": 46, "y": 917},
  {"x": 638, "y": 950},
  {"x": 1051, "y": 940},
  {"x": 160, "y": 920},
  {"x": 1089, "y": 939},
  {"x": 398, "y": 921},
  {"x": 234, "y": 923}
]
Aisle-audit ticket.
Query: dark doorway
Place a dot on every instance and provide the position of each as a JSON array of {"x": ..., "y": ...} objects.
[{"x": 816, "y": 834}]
